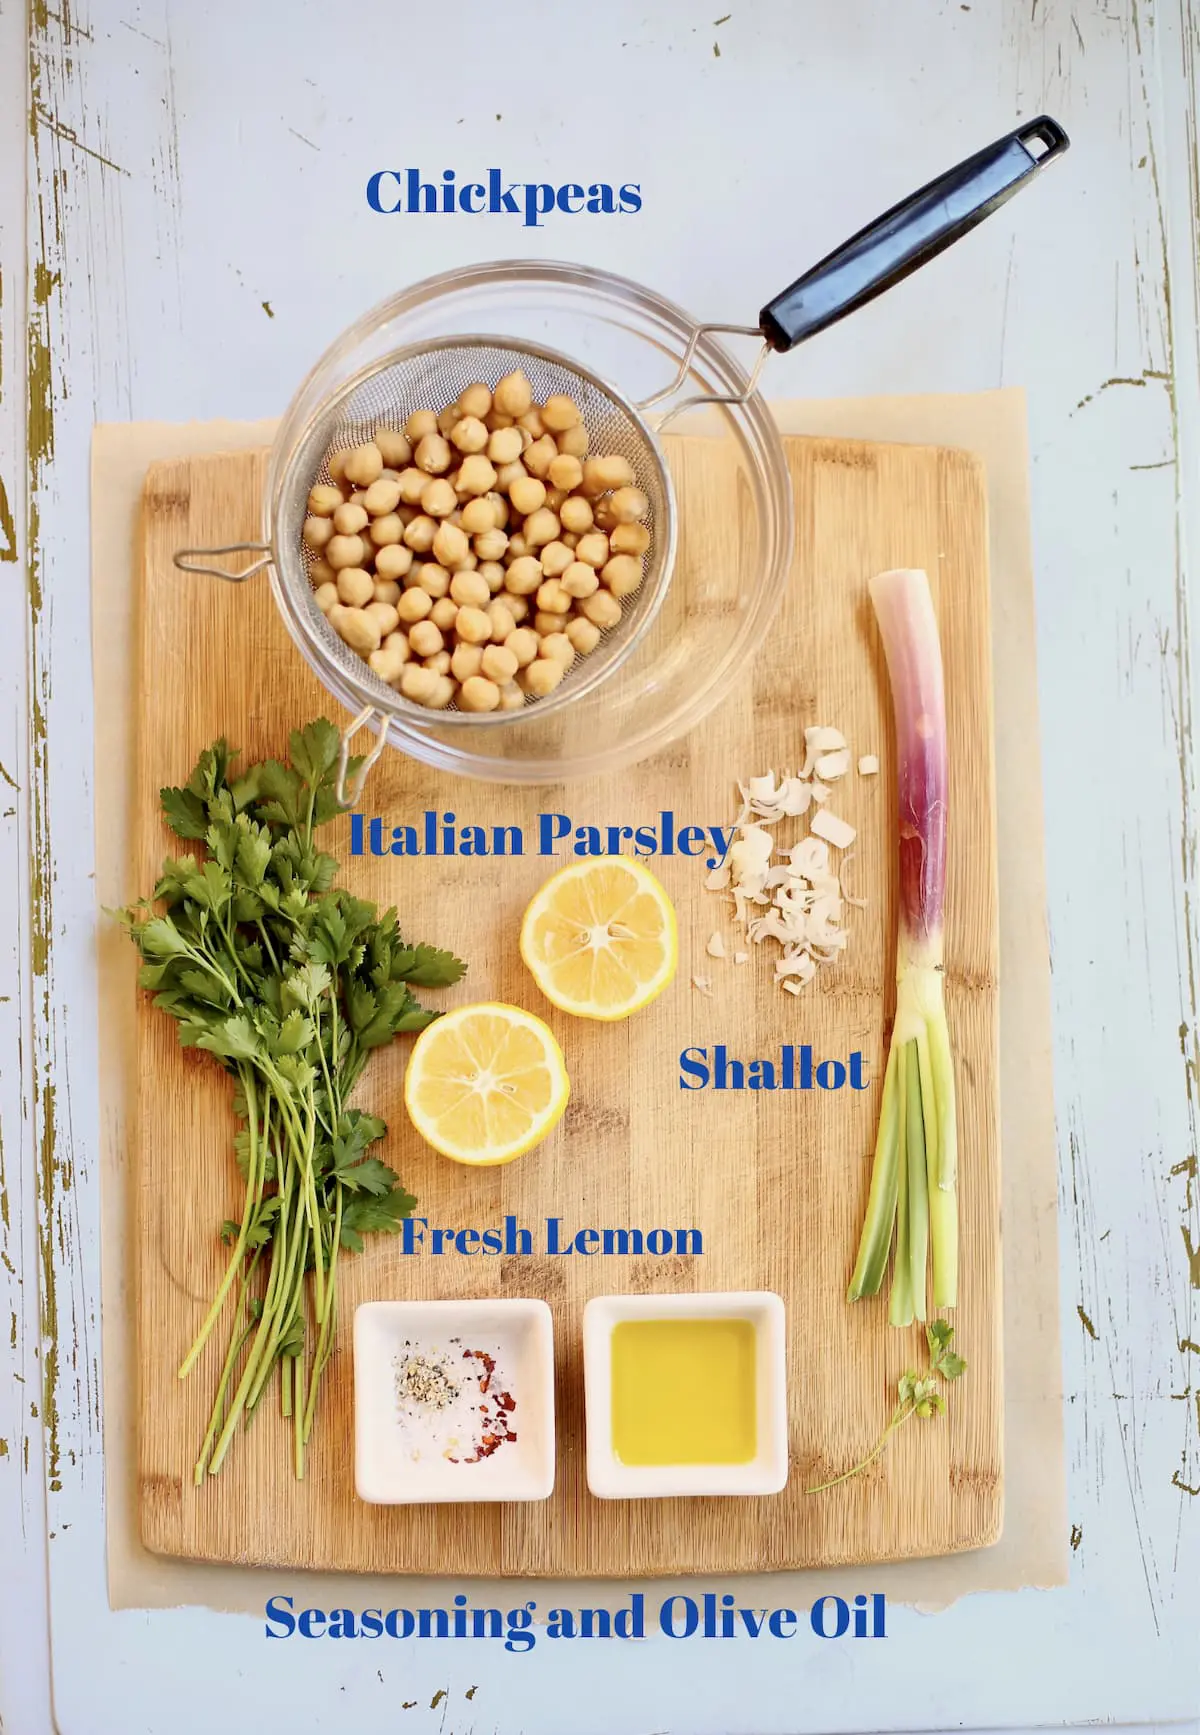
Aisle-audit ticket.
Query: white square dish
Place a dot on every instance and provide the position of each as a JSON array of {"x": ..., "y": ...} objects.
[
  {"x": 394, "y": 1463},
  {"x": 766, "y": 1473}
]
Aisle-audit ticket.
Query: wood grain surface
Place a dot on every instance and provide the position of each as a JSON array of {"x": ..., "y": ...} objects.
[{"x": 775, "y": 1183}]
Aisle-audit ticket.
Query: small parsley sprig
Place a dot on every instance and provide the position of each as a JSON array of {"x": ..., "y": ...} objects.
[
  {"x": 291, "y": 983},
  {"x": 916, "y": 1395}
]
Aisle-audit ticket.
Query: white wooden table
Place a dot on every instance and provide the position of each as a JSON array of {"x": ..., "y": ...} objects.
[{"x": 181, "y": 232}]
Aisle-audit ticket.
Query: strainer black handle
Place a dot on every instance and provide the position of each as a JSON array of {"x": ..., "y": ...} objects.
[{"x": 910, "y": 234}]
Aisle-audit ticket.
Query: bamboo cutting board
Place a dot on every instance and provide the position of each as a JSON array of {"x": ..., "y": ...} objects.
[{"x": 775, "y": 1183}]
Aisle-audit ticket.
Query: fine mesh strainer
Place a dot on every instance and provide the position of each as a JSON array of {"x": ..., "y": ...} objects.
[{"x": 343, "y": 402}]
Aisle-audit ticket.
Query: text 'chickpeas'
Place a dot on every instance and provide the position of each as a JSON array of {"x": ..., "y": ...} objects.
[{"x": 472, "y": 554}]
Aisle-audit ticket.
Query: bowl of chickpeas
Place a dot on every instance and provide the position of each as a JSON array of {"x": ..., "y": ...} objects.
[{"x": 477, "y": 541}]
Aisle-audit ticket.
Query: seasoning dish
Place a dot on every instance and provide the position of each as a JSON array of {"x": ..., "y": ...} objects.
[
  {"x": 453, "y": 1401},
  {"x": 685, "y": 1395}
]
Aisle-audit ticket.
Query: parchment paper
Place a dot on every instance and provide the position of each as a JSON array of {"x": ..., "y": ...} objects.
[{"x": 1034, "y": 1547}]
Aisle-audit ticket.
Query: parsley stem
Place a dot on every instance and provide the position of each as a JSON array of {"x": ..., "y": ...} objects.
[
  {"x": 246, "y": 1075},
  {"x": 900, "y": 1415}
]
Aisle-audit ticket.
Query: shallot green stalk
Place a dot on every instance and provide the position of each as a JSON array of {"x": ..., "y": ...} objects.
[{"x": 913, "y": 1179}]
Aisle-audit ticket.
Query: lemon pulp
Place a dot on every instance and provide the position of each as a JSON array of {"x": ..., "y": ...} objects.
[
  {"x": 485, "y": 1083},
  {"x": 600, "y": 938}
]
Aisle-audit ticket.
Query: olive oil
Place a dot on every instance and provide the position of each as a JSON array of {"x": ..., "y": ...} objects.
[{"x": 684, "y": 1391}]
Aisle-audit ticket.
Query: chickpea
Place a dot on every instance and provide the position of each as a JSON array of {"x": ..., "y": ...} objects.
[
  {"x": 382, "y": 497},
  {"x": 317, "y": 532},
  {"x": 385, "y": 530},
  {"x": 443, "y": 693},
  {"x": 504, "y": 446},
  {"x": 354, "y": 586},
  {"x": 444, "y": 614},
  {"x": 320, "y": 572},
  {"x": 544, "y": 623},
  {"x": 496, "y": 419},
  {"x": 539, "y": 457},
  {"x": 469, "y": 588},
  {"x": 622, "y": 574},
  {"x": 532, "y": 423},
  {"x": 476, "y": 475},
  {"x": 345, "y": 551},
  {"x": 419, "y": 424},
  {"x": 541, "y": 527},
  {"x": 363, "y": 465},
  {"x": 592, "y": 548},
  {"x": 420, "y": 533},
  {"x": 438, "y": 498},
  {"x": 525, "y": 493},
  {"x": 394, "y": 448},
  {"x": 385, "y": 616},
  {"x": 507, "y": 474},
  {"x": 418, "y": 684},
  {"x": 414, "y": 605},
  {"x": 357, "y": 628},
  {"x": 573, "y": 442},
  {"x": 450, "y": 545},
  {"x": 502, "y": 618},
  {"x": 425, "y": 638},
  {"x": 387, "y": 590},
  {"x": 439, "y": 662},
  {"x": 566, "y": 471},
  {"x": 433, "y": 455},
  {"x": 469, "y": 434},
  {"x": 555, "y": 498},
  {"x": 434, "y": 580},
  {"x": 499, "y": 506},
  {"x": 552, "y": 598},
  {"x": 474, "y": 626},
  {"x": 393, "y": 561},
  {"x": 499, "y": 664},
  {"x": 555, "y": 558},
  {"x": 447, "y": 419},
  {"x": 478, "y": 516},
  {"x": 629, "y": 539},
  {"x": 491, "y": 545},
  {"x": 413, "y": 483},
  {"x": 583, "y": 634},
  {"x": 523, "y": 643},
  {"x": 349, "y": 519},
  {"x": 576, "y": 514},
  {"x": 541, "y": 677},
  {"x": 602, "y": 609},
  {"x": 477, "y": 693},
  {"x": 493, "y": 573},
  {"x": 524, "y": 575},
  {"x": 601, "y": 474},
  {"x": 517, "y": 606},
  {"x": 568, "y": 540},
  {"x": 580, "y": 580},
  {"x": 389, "y": 660},
  {"x": 513, "y": 394},
  {"x": 558, "y": 646},
  {"x": 476, "y": 400},
  {"x": 324, "y": 500},
  {"x": 337, "y": 467},
  {"x": 326, "y": 597},
  {"x": 466, "y": 661},
  {"x": 629, "y": 504},
  {"x": 560, "y": 412},
  {"x": 512, "y": 698},
  {"x": 606, "y": 518}
]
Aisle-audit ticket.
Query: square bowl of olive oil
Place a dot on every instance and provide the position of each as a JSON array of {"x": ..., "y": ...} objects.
[{"x": 685, "y": 1394}]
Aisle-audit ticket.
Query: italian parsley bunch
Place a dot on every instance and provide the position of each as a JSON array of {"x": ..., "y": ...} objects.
[{"x": 291, "y": 983}]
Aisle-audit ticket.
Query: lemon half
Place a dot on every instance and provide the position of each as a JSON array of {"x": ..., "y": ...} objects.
[
  {"x": 485, "y": 1083},
  {"x": 600, "y": 938}
]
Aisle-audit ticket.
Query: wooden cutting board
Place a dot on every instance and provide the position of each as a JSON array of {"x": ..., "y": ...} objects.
[{"x": 775, "y": 1183}]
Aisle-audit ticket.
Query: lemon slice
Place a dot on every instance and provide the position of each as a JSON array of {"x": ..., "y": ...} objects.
[
  {"x": 600, "y": 938},
  {"x": 485, "y": 1083}
]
